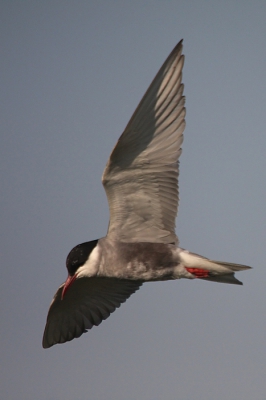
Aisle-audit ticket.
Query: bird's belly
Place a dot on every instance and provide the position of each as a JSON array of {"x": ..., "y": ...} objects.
[
  {"x": 146, "y": 272},
  {"x": 139, "y": 261},
  {"x": 142, "y": 271}
]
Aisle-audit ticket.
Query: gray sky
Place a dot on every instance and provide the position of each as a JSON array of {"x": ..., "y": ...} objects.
[{"x": 72, "y": 73}]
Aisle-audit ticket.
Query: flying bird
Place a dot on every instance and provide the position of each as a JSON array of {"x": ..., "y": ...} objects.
[{"x": 141, "y": 184}]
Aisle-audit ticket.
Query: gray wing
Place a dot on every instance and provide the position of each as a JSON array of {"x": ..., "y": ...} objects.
[
  {"x": 141, "y": 176},
  {"x": 86, "y": 303}
]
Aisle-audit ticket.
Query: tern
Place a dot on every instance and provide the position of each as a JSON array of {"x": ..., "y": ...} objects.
[{"x": 141, "y": 184}]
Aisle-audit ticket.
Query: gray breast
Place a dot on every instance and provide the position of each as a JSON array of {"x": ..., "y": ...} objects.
[{"x": 140, "y": 261}]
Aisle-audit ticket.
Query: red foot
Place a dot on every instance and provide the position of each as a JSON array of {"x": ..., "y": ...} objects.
[{"x": 198, "y": 272}]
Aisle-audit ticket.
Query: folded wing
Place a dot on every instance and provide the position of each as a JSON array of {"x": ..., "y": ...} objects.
[
  {"x": 141, "y": 176},
  {"x": 86, "y": 303}
]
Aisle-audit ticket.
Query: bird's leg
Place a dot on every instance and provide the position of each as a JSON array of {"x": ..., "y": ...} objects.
[{"x": 198, "y": 272}]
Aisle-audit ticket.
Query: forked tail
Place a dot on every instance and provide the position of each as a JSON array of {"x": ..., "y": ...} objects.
[{"x": 211, "y": 270}]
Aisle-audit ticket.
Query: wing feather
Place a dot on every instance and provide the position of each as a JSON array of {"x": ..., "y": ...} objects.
[
  {"x": 87, "y": 302},
  {"x": 141, "y": 176}
]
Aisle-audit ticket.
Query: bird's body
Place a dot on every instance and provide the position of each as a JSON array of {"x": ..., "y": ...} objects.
[
  {"x": 141, "y": 261},
  {"x": 141, "y": 183},
  {"x": 145, "y": 262}
]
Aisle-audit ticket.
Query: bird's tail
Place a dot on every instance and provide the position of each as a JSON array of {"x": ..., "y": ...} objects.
[
  {"x": 211, "y": 270},
  {"x": 228, "y": 278}
]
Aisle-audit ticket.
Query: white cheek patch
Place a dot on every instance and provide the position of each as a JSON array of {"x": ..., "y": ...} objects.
[{"x": 91, "y": 266}]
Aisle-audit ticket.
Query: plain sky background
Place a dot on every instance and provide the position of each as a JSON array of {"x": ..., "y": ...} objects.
[{"x": 72, "y": 73}]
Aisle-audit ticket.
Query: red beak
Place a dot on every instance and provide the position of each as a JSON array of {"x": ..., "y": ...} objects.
[{"x": 68, "y": 283}]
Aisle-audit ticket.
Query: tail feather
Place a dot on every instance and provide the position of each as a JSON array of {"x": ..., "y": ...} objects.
[
  {"x": 219, "y": 271},
  {"x": 228, "y": 278},
  {"x": 233, "y": 267}
]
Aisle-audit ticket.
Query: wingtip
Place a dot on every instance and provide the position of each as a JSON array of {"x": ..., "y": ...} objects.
[
  {"x": 178, "y": 48},
  {"x": 179, "y": 45},
  {"x": 45, "y": 343}
]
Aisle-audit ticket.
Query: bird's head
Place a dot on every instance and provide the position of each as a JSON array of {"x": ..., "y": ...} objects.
[{"x": 82, "y": 261}]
